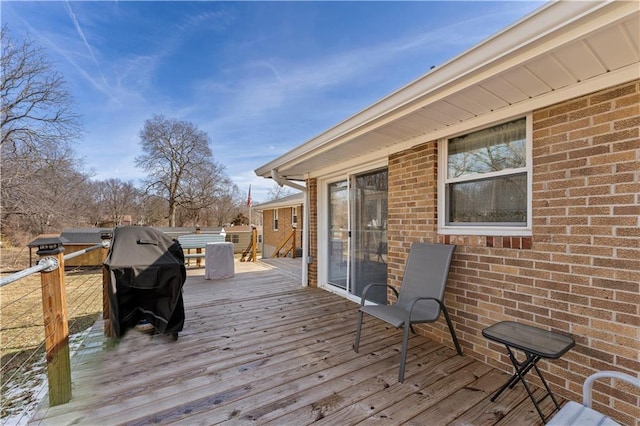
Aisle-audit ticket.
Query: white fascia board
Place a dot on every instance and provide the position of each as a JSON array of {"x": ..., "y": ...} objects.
[
  {"x": 623, "y": 75},
  {"x": 550, "y": 26},
  {"x": 501, "y": 61},
  {"x": 366, "y": 162},
  {"x": 272, "y": 205},
  {"x": 601, "y": 82}
]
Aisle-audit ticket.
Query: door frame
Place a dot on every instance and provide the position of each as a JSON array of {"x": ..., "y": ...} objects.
[{"x": 323, "y": 223}]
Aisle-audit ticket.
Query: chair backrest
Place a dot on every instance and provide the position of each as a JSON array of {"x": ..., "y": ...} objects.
[{"x": 426, "y": 272}]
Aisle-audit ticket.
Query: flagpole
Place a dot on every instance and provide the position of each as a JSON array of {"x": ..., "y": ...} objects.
[{"x": 249, "y": 204}]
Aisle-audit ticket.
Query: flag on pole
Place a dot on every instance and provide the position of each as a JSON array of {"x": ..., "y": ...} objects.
[{"x": 249, "y": 197}]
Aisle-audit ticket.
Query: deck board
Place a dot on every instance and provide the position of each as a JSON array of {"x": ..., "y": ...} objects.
[{"x": 260, "y": 349}]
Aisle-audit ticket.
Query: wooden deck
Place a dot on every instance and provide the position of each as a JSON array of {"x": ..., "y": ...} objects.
[{"x": 260, "y": 349}]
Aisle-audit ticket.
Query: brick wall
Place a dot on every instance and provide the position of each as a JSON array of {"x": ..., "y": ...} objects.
[
  {"x": 412, "y": 204},
  {"x": 580, "y": 271},
  {"x": 271, "y": 237},
  {"x": 312, "y": 268}
]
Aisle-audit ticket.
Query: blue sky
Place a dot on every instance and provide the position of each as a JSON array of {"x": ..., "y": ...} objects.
[{"x": 260, "y": 78}]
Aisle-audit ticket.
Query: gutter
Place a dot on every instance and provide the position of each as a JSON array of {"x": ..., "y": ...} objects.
[
  {"x": 306, "y": 260},
  {"x": 283, "y": 181}
]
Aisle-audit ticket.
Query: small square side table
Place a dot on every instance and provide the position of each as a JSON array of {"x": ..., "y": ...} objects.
[{"x": 537, "y": 344}]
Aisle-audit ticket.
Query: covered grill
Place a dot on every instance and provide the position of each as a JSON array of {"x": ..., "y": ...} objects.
[{"x": 146, "y": 274}]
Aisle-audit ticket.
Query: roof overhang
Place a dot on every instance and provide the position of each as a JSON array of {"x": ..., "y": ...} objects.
[
  {"x": 563, "y": 50},
  {"x": 289, "y": 201}
]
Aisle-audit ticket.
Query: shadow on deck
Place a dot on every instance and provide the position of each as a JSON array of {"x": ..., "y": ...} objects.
[{"x": 260, "y": 349}]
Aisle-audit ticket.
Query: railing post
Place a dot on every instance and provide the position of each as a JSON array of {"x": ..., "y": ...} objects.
[
  {"x": 198, "y": 250},
  {"x": 106, "y": 304},
  {"x": 56, "y": 326},
  {"x": 254, "y": 242},
  {"x": 293, "y": 245}
]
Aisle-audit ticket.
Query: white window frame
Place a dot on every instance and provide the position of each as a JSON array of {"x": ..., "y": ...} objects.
[
  {"x": 322, "y": 241},
  {"x": 275, "y": 219},
  {"x": 478, "y": 229},
  {"x": 294, "y": 217}
]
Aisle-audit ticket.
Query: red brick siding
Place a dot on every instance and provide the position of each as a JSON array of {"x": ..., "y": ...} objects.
[
  {"x": 312, "y": 268},
  {"x": 412, "y": 204},
  {"x": 274, "y": 237},
  {"x": 580, "y": 271}
]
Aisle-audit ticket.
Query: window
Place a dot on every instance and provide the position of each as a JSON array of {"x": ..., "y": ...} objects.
[
  {"x": 235, "y": 238},
  {"x": 294, "y": 216},
  {"x": 275, "y": 220},
  {"x": 486, "y": 182}
]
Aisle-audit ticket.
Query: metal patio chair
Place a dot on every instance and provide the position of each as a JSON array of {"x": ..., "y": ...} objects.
[{"x": 421, "y": 297}]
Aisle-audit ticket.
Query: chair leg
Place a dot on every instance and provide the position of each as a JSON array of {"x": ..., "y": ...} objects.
[
  {"x": 358, "y": 329},
  {"x": 403, "y": 353},
  {"x": 453, "y": 333}
]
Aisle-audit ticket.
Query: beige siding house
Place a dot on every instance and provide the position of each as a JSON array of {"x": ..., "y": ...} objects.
[
  {"x": 524, "y": 152},
  {"x": 240, "y": 236}
]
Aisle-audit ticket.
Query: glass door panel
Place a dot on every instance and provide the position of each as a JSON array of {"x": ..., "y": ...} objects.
[
  {"x": 369, "y": 237},
  {"x": 338, "y": 234}
]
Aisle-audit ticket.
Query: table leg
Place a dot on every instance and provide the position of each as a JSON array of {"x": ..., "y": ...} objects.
[
  {"x": 521, "y": 369},
  {"x": 549, "y": 393},
  {"x": 524, "y": 368}
]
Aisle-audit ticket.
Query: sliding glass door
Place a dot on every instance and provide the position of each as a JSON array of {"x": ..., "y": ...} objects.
[
  {"x": 357, "y": 240},
  {"x": 338, "y": 237},
  {"x": 369, "y": 226}
]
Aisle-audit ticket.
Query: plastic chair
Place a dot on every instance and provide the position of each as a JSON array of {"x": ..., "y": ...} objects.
[{"x": 573, "y": 413}]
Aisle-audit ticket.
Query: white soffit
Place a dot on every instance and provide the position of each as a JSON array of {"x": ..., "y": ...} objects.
[{"x": 589, "y": 41}]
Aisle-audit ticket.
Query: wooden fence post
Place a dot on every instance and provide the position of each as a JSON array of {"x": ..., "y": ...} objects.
[{"x": 56, "y": 326}]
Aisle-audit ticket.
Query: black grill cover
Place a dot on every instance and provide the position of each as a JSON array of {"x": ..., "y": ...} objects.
[{"x": 146, "y": 275}]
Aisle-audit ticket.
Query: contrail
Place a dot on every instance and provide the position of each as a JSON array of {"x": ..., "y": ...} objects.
[{"x": 86, "y": 43}]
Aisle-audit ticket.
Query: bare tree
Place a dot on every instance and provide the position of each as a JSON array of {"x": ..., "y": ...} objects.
[
  {"x": 240, "y": 219},
  {"x": 37, "y": 108},
  {"x": 179, "y": 164},
  {"x": 152, "y": 211},
  {"x": 44, "y": 194},
  {"x": 203, "y": 187},
  {"x": 228, "y": 203},
  {"x": 277, "y": 192},
  {"x": 116, "y": 199},
  {"x": 42, "y": 185}
]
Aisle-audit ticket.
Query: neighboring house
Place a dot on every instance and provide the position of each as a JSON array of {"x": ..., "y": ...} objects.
[
  {"x": 240, "y": 236},
  {"x": 279, "y": 219},
  {"x": 111, "y": 221},
  {"x": 175, "y": 231},
  {"x": 524, "y": 152},
  {"x": 74, "y": 240}
]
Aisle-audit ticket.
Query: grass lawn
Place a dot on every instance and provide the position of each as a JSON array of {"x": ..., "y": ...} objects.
[{"x": 22, "y": 328}]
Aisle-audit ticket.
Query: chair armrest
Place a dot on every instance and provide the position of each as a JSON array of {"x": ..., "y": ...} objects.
[
  {"x": 588, "y": 383},
  {"x": 418, "y": 299},
  {"x": 366, "y": 289}
]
